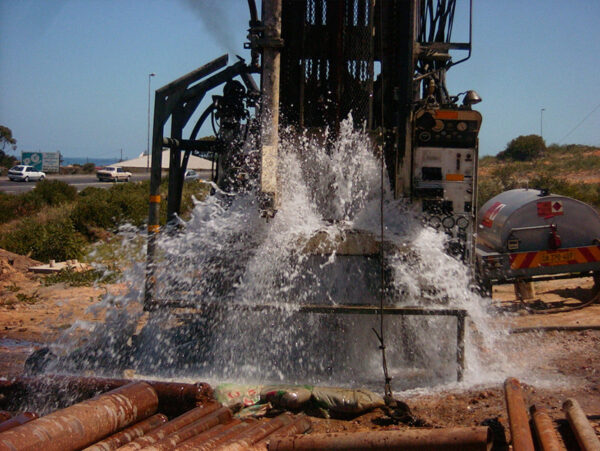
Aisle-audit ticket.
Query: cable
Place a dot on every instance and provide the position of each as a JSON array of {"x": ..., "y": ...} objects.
[
  {"x": 595, "y": 298},
  {"x": 380, "y": 335},
  {"x": 578, "y": 125}
]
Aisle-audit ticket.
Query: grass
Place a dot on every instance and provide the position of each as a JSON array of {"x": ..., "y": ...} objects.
[
  {"x": 33, "y": 298},
  {"x": 81, "y": 278}
]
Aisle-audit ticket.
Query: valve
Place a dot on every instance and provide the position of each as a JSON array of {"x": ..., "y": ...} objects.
[{"x": 554, "y": 241}]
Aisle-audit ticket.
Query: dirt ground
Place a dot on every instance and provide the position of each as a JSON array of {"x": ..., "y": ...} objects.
[{"x": 555, "y": 355}]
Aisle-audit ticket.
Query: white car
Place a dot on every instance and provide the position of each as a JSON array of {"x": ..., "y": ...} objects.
[
  {"x": 113, "y": 174},
  {"x": 24, "y": 173},
  {"x": 190, "y": 174}
]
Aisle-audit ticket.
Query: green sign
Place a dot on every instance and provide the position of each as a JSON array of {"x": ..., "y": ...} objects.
[{"x": 34, "y": 159}]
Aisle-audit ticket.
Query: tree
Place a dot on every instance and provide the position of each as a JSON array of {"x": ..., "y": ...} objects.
[
  {"x": 524, "y": 148},
  {"x": 6, "y": 137}
]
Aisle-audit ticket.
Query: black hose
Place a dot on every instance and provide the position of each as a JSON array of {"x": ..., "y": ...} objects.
[{"x": 595, "y": 298}]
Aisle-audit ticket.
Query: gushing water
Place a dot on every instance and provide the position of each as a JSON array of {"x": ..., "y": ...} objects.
[{"x": 243, "y": 281}]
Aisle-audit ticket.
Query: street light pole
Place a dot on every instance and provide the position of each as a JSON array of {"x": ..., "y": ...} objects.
[
  {"x": 542, "y": 122},
  {"x": 148, "y": 144}
]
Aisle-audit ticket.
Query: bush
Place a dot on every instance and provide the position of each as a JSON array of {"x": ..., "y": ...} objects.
[
  {"x": 108, "y": 209},
  {"x": 524, "y": 148},
  {"x": 88, "y": 168},
  {"x": 56, "y": 239},
  {"x": 53, "y": 192}
]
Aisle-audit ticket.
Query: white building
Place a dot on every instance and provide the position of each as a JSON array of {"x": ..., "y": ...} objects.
[{"x": 140, "y": 163}]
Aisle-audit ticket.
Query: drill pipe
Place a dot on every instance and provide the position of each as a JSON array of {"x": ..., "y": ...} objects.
[
  {"x": 299, "y": 426},
  {"x": 204, "y": 424},
  {"x": 454, "y": 439},
  {"x": 517, "y": 416},
  {"x": 204, "y": 443},
  {"x": 131, "y": 433},
  {"x": 544, "y": 430},
  {"x": 173, "y": 398},
  {"x": 256, "y": 433},
  {"x": 84, "y": 423},
  {"x": 210, "y": 411},
  {"x": 586, "y": 437},
  {"x": 22, "y": 418}
]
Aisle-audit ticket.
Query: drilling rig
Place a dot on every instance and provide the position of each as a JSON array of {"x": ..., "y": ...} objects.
[{"x": 384, "y": 62}]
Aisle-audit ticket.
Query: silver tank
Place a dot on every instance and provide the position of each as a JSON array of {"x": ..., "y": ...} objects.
[{"x": 521, "y": 220}]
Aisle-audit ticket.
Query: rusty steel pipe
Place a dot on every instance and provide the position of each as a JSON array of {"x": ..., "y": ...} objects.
[
  {"x": 206, "y": 435},
  {"x": 18, "y": 420},
  {"x": 129, "y": 434},
  {"x": 203, "y": 443},
  {"x": 454, "y": 439},
  {"x": 544, "y": 430},
  {"x": 193, "y": 429},
  {"x": 212, "y": 436},
  {"x": 586, "y": 437},
  {"x": 84, "y": 423},
  {"x": 299, "y": 425},
  {"x": 256, "y": 433},
  {"x": 206, "y": 410},
  {"x": 518, "y": 419},
  {"x": 174, "y": 398}
]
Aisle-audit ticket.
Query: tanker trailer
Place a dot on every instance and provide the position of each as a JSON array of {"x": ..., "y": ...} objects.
[{"x": 533, "y": 235}]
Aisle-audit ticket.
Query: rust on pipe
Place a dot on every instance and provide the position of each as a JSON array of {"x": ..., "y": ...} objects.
[
  {"x": 18, "y": 420},
  {"x": 544, "y": 430},
  {"x": 586, "y": 437},
  {"x": 257, "y": 432},
  {"x": 206, "y": 410},
  {"x": 4, "y": 415},
  {"x": 174, "y": 398},
  {"x": 518, "y": 419},
  {"x": 131, "y": 433},
  {"x": 455, "y": 439},
  {"x": 196, "y": 428},
  {"x": 84, "y": 423},
  {"x": 213, "y": 434},
  {"x": 200, "y": 443},
  {"x": 299, "y": 426},
  {"x": 206, "y": 435}
]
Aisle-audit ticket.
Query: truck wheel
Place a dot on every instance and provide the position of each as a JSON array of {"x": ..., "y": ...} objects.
[
  {"x": 26, "y": 179},
  {"x": 42, "y": 177}
]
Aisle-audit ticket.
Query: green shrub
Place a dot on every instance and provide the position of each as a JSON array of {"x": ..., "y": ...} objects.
[
  {"x": 92, "y": 212},
  {"x": 53, "y": 192},
  {"x": 81, "y": 278},
  {"x": 524, "y": 148},
  {"x": 56, "y": 239},
  {"x": 88, "y": 168},
  {"x": 108, "y": 209}
]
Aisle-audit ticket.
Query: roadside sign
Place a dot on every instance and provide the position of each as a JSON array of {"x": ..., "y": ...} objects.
[
  {"x": 51, "y": 162},
  {"x": 42, "y": 161}
]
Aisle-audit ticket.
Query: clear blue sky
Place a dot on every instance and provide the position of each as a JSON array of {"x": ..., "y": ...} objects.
[{"x": 74, "y": 73}]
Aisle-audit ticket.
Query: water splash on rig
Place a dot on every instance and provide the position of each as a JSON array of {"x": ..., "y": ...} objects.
[{"x": 241, "y": 282}]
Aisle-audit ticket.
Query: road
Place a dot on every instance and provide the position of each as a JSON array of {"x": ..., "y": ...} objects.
[{"x": 79, "y": 181}]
